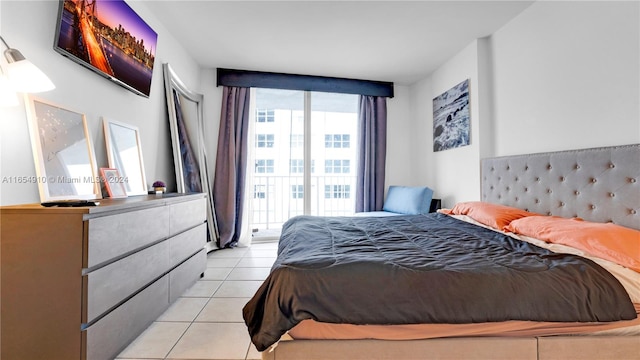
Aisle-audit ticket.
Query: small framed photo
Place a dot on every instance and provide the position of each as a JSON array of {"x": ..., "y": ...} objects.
[{"x": 113, "y": 182}]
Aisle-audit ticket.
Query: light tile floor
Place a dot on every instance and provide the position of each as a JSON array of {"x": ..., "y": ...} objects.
[{"x": 206, "y": 322}]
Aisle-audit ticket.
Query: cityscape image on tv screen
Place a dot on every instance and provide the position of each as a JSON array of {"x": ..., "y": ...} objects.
[{"x": 107, "y": 36}]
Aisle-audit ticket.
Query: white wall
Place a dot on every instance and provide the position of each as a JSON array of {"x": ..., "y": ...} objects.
[
  {"x": 559, "y": 76},
  {"x": 399, "y": 130},
  {"x": 29, "y": 26},
  {"x": 453, "y": 173},
  {"x": 212, "y": 108},
  {"x": 567, "y": 76}
]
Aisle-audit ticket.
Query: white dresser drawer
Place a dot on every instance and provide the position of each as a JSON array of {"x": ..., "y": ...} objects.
[
  {"x": 109, "y": 285},
  {"x": 185, "y": 215},
  {"x": 115, "y": 235}
]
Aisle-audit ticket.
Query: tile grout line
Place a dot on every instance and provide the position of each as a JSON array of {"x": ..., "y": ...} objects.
[{"x": 194, "y": 319}]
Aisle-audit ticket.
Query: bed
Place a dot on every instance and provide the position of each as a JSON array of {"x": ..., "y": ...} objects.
[{"x": 308, "y": 296}]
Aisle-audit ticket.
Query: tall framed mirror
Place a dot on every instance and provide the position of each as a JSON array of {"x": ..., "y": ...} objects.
[
  {"x": 186, "y": 122},
  {"x": 124, "y": 153}
]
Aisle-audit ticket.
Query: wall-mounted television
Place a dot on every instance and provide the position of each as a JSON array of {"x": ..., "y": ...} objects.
[{"x": 108, "y": 37}]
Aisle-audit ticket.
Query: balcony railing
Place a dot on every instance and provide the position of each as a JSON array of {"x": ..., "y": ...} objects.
[{"x": 275, "y": 199}]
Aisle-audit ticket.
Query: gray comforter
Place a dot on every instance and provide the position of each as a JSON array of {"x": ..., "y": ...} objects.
[{"x": 423, "y": 269}]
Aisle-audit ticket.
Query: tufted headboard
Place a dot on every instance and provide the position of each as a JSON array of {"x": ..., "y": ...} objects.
[{"x": 600, "y": 184}]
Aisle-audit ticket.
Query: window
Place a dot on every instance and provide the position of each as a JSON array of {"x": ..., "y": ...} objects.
[
  {"x": 291, "y": 129},
  {"x": 337, "y": 141},
  {"x": 264, "y": 166},
  {"x": 264, "y": 115},
  {"x": 337, "y": 166},
  {"x": 297, "y": 140},
  {"x": 337, "y": 191},
  {"x": 259, "y": 191},
  {"x": 296, "y": 166},
  {"x": 297, "y": 191},
  {"x": 264, "y": 140}
]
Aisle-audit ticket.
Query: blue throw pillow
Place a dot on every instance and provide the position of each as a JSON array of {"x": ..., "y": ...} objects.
[{"x": 408, "y": 200}]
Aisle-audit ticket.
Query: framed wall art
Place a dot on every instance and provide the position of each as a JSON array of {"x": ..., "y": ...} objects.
[
  {"x": 451, "y": 122},
  {"x": 63, "y": 152}
]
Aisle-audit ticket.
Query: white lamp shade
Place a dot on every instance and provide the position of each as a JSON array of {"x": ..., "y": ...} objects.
[
  {"x": 8, "y": 96},
  {"x": 26, "y": 77}
]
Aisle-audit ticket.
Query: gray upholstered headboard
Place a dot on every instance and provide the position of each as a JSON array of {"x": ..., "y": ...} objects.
[{"x": 600, "y": 184}]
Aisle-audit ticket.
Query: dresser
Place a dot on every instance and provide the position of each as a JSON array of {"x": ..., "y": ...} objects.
[{"x": 83, "y": 282}]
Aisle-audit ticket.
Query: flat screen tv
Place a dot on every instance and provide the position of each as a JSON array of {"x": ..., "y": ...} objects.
[{"x": 108, "y": 37}]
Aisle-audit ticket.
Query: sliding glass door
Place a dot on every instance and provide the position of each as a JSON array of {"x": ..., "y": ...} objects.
[
  {"x": 304, "y": 157},
  {"x": 333, "y": 136}
]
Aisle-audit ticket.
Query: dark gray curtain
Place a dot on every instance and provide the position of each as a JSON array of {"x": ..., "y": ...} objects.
[
  {"x": 231, "y": 164},
  {"x": 372, "y": 148}
]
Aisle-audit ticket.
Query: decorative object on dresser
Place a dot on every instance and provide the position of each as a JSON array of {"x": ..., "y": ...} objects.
[
  {"x": 124, "y": 151},
  {"x": 113, "y": 182},
  {"x": 159, "y": 187},
  {"x": 451, "y": 121},
  {"x": 186, "y": 122},
  {"x": 63, "y": 152},
  {"x": 83, "y": 282}
]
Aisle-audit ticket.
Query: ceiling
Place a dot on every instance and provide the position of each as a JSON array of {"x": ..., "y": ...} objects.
[{"x": 397, "y": 41}]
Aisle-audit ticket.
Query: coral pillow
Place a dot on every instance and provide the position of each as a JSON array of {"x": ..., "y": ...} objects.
[
  {"x": 493, "y": 215},
  {"x": 607, "y": 241}
]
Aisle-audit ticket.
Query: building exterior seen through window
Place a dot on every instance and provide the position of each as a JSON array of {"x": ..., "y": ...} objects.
[{"x": 279, "y": 174}]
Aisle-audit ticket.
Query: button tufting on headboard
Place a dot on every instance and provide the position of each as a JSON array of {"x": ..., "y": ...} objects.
[{"x": 598, "y": 184}]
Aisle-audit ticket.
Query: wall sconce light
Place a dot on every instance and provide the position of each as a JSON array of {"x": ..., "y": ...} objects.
[
  {"x": 23, "y": 75},
  {"x": 8, "y": 96}
]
